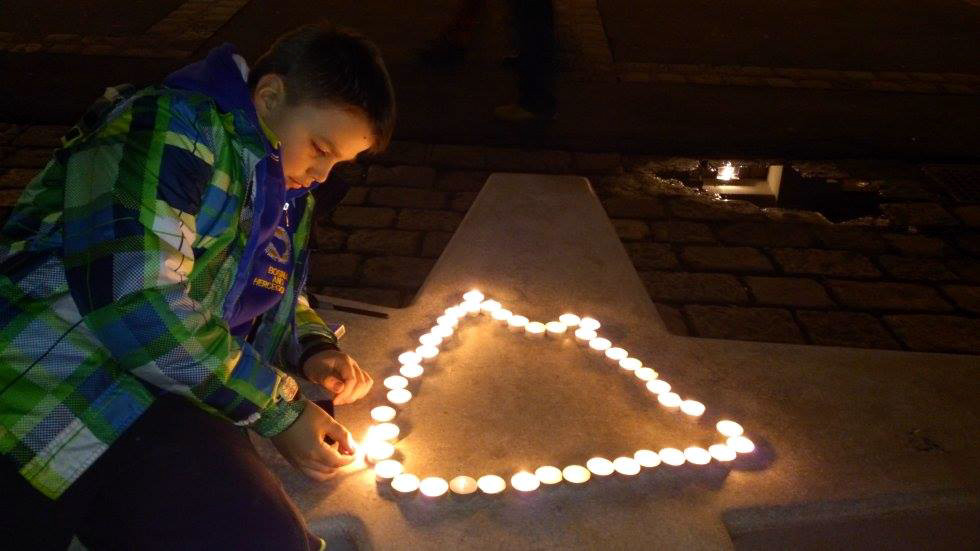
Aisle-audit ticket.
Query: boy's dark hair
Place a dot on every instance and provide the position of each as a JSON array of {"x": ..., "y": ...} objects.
[{"x": 321, "y": 62}]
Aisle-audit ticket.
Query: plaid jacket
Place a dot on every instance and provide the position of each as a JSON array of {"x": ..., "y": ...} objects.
[{"x": 118, "y": 268}]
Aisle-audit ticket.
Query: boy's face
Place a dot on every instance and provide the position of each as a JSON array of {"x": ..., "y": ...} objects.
[{"x": 314, "y": 137}]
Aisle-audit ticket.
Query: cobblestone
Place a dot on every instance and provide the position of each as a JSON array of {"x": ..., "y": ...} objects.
[
  {"x": 396, "y": 242},
  {"x": 634, "y": 207},
  {"x": 725, "y": 259},
  {"x": 850, "y": 238},
  {"x": 703, "y": 208},
  {"x": 677, "y": 231},
  {"x": 327, "y": 238},
  {"x": 363, "y": 217},
  {"x": 934, "y": 333},
  {"x": 788, "y": 291},
  {"x": 823, "y": 262},
  {"x": 696, "y": 287},
  {"x": 355, "y": 196},
  {"x": 597, "y": 163},
  {"x": 846, "y": 329},
  {"x": 965, "y": 296},
  {"x": 41, "y": 136},
  {"x": 969, "y": 243},
  {"x": 396, "y": 271},
  {"x": 463, "y": 200},
  {"x": 462, "y": 180},
  {"x": 916, "y": 269},
  {"x": 404, "y": 153},
  {"x": 413, "y": 219},
  {"x": 461, "y": 156},
  {"x": 407, "y": 197},
  {"x": 435, "y": 242},
  {"x": 792, "y": 216},
  {"x": 392, "y": 298},
  {"x": 751, "y": 324},
  {"x": 970, "y": 215},
  {"x": 651, "y": 256},
  {"x": 333, "y": 268},
  {"x": 766, "y": 235},
  {"x": 914, "y": 245},
  {"x": 27, "y": 157},
  {"x": 528, "y": 160},
  {"x": 965, "y": 267},
  {"x": 16, "y": 178},
  {"x": 630, "y": 230},
  {"x": 401, "y": 176},
  {"x": 918, "y": 214},
  {"x": 887, "y": 296},
  {"x": 673, "y": 320}
]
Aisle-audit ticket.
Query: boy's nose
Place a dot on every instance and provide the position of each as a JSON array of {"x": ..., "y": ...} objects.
[{"x": 320, "y": 171}]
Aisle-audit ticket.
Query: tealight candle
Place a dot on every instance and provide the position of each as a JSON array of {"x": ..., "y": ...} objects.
[
  {"x": 427, "y": 352},
  {"x": 443, "y": 331},
  {"x": 502, "y": 315},
  {"x": 645, "y": 374},
  {"x": 616, "y": 354},
  {"x": 463, "y": 485},
  {"x": 410, "y": 357},
  {"x": 548, "y": 474},
  {"x": 517, "y": 323},
  {"x": 600, "y": 466},
  {"x": 697, "y": 456},
  {"x": 584, "y": 336},
  {"x": 387, "y": 469},
  {"x": 411, "y": 371},
  {"x": 451, "y": 321},
  {"x": 433, "y": 486},
  {"x": 576, "y": 474},
  {"x": 399, "y": 396},
  {"x": 524, "y": 482},
  {"x": 647, "y": 458},
  {"x": 383, "y": 431},
  {"x": 729, "y": 428},
  {"x": 669, "y": 400},
  {"x": 555, "y": 328},
  {"x": 626, "y": 465},
  {"x": 429, "y": 339},
  {"x": 474, "y": 296},
  {"x": 383, "y": 414},
  {"x": 599, "y": 345},
  {"x": 658, "y": 386},
  {"x": 377, "y": 450},
  {"x": 589, "y": 323},
  {"x": 740, "y": 444},
  {"x": 455, "y": 312},
  {"x": 630, "y": 364},
  {"x": 491, "y": 484},
  {"x": 570, "y": 320},
  {"x": 672, "y": 456},
  {"x": 721, "y": 452},
  {"x": 405, "y": 483},
  {"x": 489, "y": 306},
  {"x": 471, "y": 308},
  {"x": 693, "y": 408},
  {"x": 395, "y": 381},
  {"x": 535, "y": 329}
]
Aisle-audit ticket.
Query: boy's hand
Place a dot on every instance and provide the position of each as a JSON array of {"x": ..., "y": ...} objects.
[
  {"x": 338, "y": 373},
  {"x": 303, "y": 445}
]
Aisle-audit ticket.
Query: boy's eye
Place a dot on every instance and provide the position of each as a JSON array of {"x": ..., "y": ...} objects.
[{"x": 318, "y": 149}]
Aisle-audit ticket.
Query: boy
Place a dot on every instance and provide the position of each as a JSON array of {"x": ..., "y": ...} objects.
[{"x": 151, "y": 300}]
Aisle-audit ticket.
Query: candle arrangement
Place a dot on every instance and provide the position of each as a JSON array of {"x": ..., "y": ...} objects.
[{"x": 381, "y": 439}]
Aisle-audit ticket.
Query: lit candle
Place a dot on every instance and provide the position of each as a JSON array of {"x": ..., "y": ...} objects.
[
  {"x": 658, "y": 386},
  {"x": 471, "y": 308},
  {"x": 576, "y": 474},
  {"x": 740, "y": 444},
  {"x": 600, "y": 466},
  {"x": 647, "y": 458},
  {"x": 570, "y": 320},
  {"x": 489, "y": 306},
  {"x": 383, "y": 431},
  {"x": 589, "y": 323},
  {"x": 408, "y": 358},
  {"x": 442, "y": 331},
  {"x": 583, "y": 336},
  {"x": 491, "y": 484},
  {"x": 692, "y": 408},
  {"x": 463, "y": 485},
  {"x": 411, "y": 371},
  {"x": 697, "y": 456},
  {"x": 429, "y": 339},
  {"x": 599, "y": 345},
  {"x": 426, "y": 352},
  {"x": 555, "y": 329},
  {"x": 450, "y": 321},
  {"x": 645, "y": 374},
  {"x": 474, "y": 296},
  {"x": 630, "y": 364},
  {"x": 548, "y": 474},
  {"x": 387, "y": 469},
  {"x": 377, "y": 450},
  {"x": 395, "y": 381},
  {"x": 669, "y": 400},
  {"x": 399, "y": 396},
  {"x": 433, "y": 486},
  {"x": 626, "y": 465},
  {"x": 502, "y": 315},
  {"x": 517, "y": 323},
  {"x": 616, "y": 355},
  {"x": 729, "y": 428},
  {"x": 405, "y": 483},
  {"x": 383, "y": 414},
  {"x": 455, "y": 312},
  {"x": 524, "y": 482},
  {"x": 672, "y": 456},
  {"x": 535, "y": 329},
  {"x": 721, "y": 452}
]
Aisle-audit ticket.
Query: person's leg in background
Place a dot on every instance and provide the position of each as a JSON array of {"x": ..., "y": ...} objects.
[{"x": 534, "y": 21}]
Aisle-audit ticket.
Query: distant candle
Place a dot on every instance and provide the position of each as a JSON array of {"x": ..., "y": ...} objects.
[
  {"x": 502, "y": 315},
  {"x": 410, "y": 357},
  {"x": 463, "y": 485},
  {"x": 599, "y": 345},
  {"x": 524, "y": 482},
  {"x": 474, "y": 296},
  {"x": 647, "y": 458},
  {"x": 697, "y": 456},
  {"x": 645, "y": 374},
  {"x": 388, "y": 469},
  {"x": 721, "y": 452},
  {"x": 405, "y": 483},
  {"x": 669, "y": 400},
  {"x": 740, "y": 444},
  {"x": 433, "y": 486},
  {"x": 729, "y": 428},
  {"x": 471, "y": 308},
  {"x": 455, "y": 312},
  {"x": 600, "y": 466},
  {"x": 399, "y": 396},
  {"x": 491, "y": 484},
  {"x": 383, "y": 431},
  {"x": 534, "y": 329},
  {"x": 517, "y": 323},
  {"x": 429, "y": 339},
  {"x": 576, "y": 474},
  {"x": 383, "y": 414},
  {"x": 548, "y": 474},
  {"x": 693, "y": 408},
  {"x": 489, "y": 306},
  {"x": 570, "y": 320},
  {"x": 658, "y": 386},
  {"x": 626, "y": 466},
  {"x": 451, "y": 321},
  {"x": 672, "y": 456},
  {"x": 585, "y": 335},
  {"x": 630, "y": 364},
  {"x": 589, "y": 323},
  {"x": 616, "y": 354},
  {"x": 411, "y": 371},
  {"x": 427, "y": 352},
  {"x": 377, "y": 450},
  {"x": 395, "y": 381},
  {"x": 555, "y": 328},
  {"x": 444, "y": 331}
]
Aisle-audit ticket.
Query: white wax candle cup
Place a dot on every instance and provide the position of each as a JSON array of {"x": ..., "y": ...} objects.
[
  {"x": 589, "y": 323},
  {"x": 411, "y": 371},
  {"x": 647, "y": 458},
  {"x": 585, "y": 335},
  {"x": 388, "y": 469},
  {"x": 741, "y": 444},
  {"x": 645, "y": 374},
  {"x": 427, "y": 353},
  {"x": 517, "y": 323},
  {"x": 692, "y": 408},
  {"x": 474, "y": 296},
  {"x": 555, "y": 328},
  {"x": 600, "y": 466},
  {"x": 616, "y": 354},
  {"x": 502, "y": 315},
  {"x": 451, "y": 321},
  {"x": 383, "y": 414},
  {"x": 658, "y": 386},
  {"x": 471, "y": 308},
  {"x": 669, "y": 400},
  {"x": 599, "y": 345},
  {"x": 524, "y": 482},
  {"x": 489, "y": 306},
  {"x": 729, "y": 428},
  {"x": 697, "y": 456},
  {"x": 405, "y": 483},
  {"x": 443, "y": 331},
  {"x": 491, "y": 484},
  {"x": 630, "y": 364},
  {"x": 570, "y": 320},
  {"x": 410, "y": 357},
  {"x": 378, "y": 450},
  {"x": 433, "y": 486},
  {"x": 672, "y": 456},
  {"x": 721, "y": 452},
  {"x": 429, "y": 339},
  {"x": 383, "y": 431},
  {"x": 455, "y": 312},
  {"x": 576, "y": 474},
  {"x": 548, "y": 474},
  {"x": 463, "y": 485},
  {"x": 534, "y": 329},
  {"x": 399, "y": 396},
  {"x": 626, "y": 466},
  {"x": 395, "y": 381}
]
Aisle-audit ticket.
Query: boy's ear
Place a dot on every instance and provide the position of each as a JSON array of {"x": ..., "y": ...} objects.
[{"x": 269, "y": 95}]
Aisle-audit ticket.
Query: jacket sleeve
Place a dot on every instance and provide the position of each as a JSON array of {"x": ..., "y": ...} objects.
[
  {"x": 312, "y": 336},
  {"x": 133, "y": 194}
]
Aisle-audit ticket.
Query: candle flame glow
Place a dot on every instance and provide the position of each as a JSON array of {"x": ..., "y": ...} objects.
[
  {"x": 405, "y": 483},
  {"x": 491, "y": 484},
  {"x": 576, "y": 474},
  {"x": 383, "y": 414},
  {"x": 524, "y": 482},
  {"x": 433, "y": 486},
  {"x": 548, "y": 474}
]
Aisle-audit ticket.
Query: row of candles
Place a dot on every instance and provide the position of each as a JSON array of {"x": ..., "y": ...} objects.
[{"x": 378, "y": 447}]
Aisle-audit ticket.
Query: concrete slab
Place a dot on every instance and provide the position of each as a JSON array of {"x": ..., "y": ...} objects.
[{"x": 833, "y": 425}]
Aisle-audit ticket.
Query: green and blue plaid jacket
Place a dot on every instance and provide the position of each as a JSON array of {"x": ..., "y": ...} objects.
[{"x": 118, "y": 267}]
